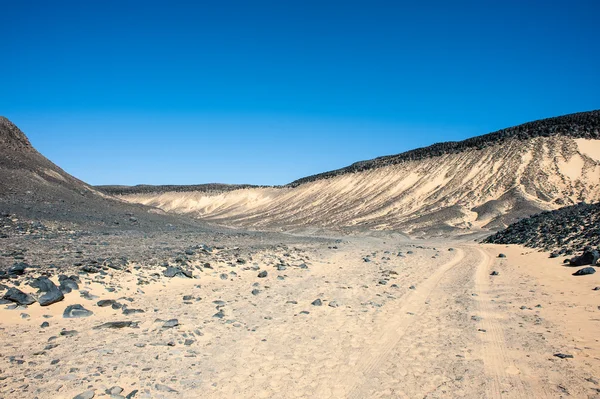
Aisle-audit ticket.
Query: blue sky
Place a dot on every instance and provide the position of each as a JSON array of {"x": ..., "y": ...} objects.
[{"x": 264, "y": 92}]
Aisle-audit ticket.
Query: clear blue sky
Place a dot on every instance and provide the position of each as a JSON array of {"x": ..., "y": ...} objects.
[{"x": 264, "y": 92}]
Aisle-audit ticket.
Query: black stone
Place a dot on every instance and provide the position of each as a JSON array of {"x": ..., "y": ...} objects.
[{"x": 585, "y": 271}]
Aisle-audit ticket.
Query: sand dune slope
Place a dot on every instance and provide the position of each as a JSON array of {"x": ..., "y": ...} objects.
[{"x": 488, "y": 187}]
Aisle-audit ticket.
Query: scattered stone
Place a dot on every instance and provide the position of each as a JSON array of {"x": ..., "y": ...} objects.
[
  {"x": 105, "y": 302},
  {"x": 50, "y": 292},
  {"x": 262, "y": 274},
  {"x": 220, "y": 314},
  {"x": 317, "y": 302},
  {"x": 501, "y": 256},
  {"x": 45, "y": 325},
  {"x": 67, "y": 284},
  {"x": 116, "y": 390},
  {"x": 589, "y": 257},
  {"x": 132, "y": 311},
  {"x": 171, "y": 323},
  {"x": 333, "y": 304},
  {"x": 563, "y": 356},
  {"x": 585, "y": 271},
  {"x": 164, "y": 388},
  {"x": 171, "y": 271},
  {"x": 117, "y": 324},
  {"x": 76, "y": 311},
  {"x": 17, "y": 269},
  {"x": 494, "y": 273},
  {"x": 86, "y": 395},
  {"x": 255, "y": 292},
  {"x": 19, "y": 297}
]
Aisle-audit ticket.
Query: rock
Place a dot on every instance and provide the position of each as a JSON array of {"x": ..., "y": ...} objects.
[
  {"x": 127, "y": 312},
  {"x": 90, "y": 269},
  {"x": 86, "y": 395},
  {"x": 171, "y": 271},
  {"x": 45, "y": 325},
  {"x": 585, "y": 271},
  {"x": 333, "y": 304},
  {"x": 76, "y": 311},
  {"x": 494, "y": 273},
  {"x": 589, "y": 257},
  {"x": 17, "y": 296},
  {"x": 317, "y": 302},
  {"x": 105, "y": 302},
  {"x": 171, "y": 323},
  {"x": 67, "y": 284},
  {"x": 164, "y": 388},
  {"x": 219, "y": 314},
  {"x": 255, "y": 292},
  {"x": 114, "y": 390},
  {"x": 50, "y": 292},
  {"x": 188, "y": 342},
  {"x": 412, "y": 287},
  {"x": 596, "y": 289},
  {"x": 563, "y": 356},
  {"x": 68, "y": 333},
  {"x": 17, "y": 269},
  {"x": 117, "y": 324},
  {"x": 262, "y": 274},
  {"x": 501, "y": 256},
  {"x": 132, "y": 394}
]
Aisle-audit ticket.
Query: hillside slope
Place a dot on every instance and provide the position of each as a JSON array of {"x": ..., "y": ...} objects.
[
  {"x": 33, "y": 187},
  {"x": 484, "y": 182}
]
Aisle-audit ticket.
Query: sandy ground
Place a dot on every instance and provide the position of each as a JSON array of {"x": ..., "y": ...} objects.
[{"x": 432, "y": 323}]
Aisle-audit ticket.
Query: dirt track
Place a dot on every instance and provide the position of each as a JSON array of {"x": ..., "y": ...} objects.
[{"x": 459, "y": 332}]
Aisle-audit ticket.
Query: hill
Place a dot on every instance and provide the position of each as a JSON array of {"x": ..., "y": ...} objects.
[
  {"x": 484, "y": 182},
  {"x": 33, "y": 187}
]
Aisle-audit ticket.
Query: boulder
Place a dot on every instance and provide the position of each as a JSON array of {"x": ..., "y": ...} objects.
[
  {"x": 17, "y": 296},
  {"x": 589, "y": 257}
]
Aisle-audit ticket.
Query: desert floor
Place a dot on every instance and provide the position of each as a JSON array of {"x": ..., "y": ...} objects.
[{"x": 398, "y": 319}]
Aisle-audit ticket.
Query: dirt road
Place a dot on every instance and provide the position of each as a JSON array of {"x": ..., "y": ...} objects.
[{"x": 397, "y": 319}]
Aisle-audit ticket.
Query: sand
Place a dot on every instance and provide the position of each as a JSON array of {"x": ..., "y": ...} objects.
[
  {"x": 440, "y": 326},
  {"x": 476, "y": 188}
]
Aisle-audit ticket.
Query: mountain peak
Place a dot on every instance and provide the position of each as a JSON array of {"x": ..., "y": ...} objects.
[{"x": 11, "y": 137}]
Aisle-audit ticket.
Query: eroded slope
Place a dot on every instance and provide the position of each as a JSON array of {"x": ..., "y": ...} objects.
[{"x": 479, "y": 187}]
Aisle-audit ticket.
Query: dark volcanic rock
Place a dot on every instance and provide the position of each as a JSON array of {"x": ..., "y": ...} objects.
[
  {"x": 17, "y": 269},
  {"x": 117, "y": 324},
  {"x": 105, "y": 302},
  {"x": 17, "y": 296},
  {"x": 49, "y": 291},
  {"x": 67, "y": 284},
  {"x": 589, "y": 257},
  {"x": 171, "y": 271},
  {"x": 76, "y": 311},
  {"x": 564, "y": 230},
  {"x": 584, "y": 271}
]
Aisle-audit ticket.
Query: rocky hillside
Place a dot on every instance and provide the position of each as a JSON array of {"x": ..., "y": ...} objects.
[
  {"x": 156, "y": 189},
  {"x": 564, "y": 230},
  {"x": 580, "y": 125},
  {"x": 484, "y": 182},
  {"x": 33, "y": 187}
]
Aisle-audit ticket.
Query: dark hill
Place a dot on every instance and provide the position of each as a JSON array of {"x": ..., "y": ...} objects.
[
  {"x": 579, "y": 125},
  {"x": 33, "y": 187}
]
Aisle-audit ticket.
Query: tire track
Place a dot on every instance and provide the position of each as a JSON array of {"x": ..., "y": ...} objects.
[
  {"x": 372, "y": 358},
  {"x": 504, "y": 377}
]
